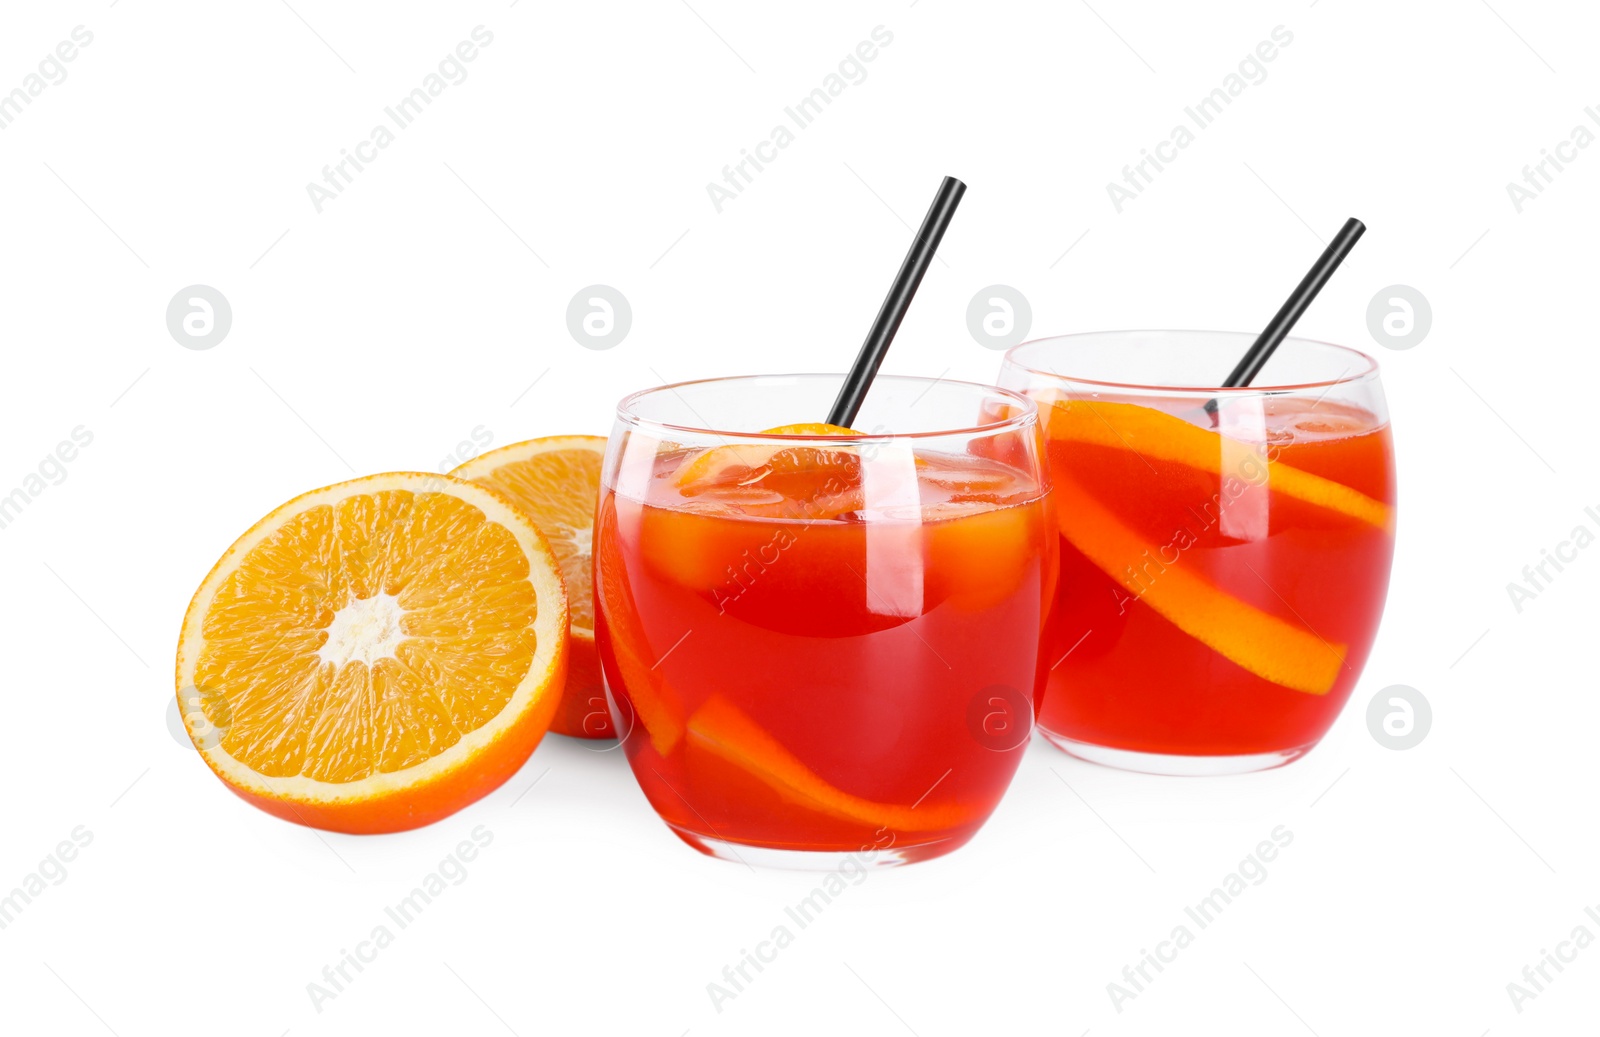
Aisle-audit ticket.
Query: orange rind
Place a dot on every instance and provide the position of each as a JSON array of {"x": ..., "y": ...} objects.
[
  {"x": 1156, "y": 435},
  {"x": 727, "y": 731},
  {"x": 1269, "y": 647},
  {"x": 655, "y": 706}
]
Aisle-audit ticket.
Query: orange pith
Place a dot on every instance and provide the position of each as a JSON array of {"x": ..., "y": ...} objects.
[
  {"x": 375, "y": 654},
  {"x": 555, "y": 481}
]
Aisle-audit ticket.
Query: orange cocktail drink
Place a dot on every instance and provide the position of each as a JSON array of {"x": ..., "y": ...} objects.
[
  {"x": 823, "y": 644},
  {"x": 1224, "y": 565}
]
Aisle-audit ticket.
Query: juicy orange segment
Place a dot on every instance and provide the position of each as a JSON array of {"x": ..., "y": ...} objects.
[
  {"x": 1258, "y": 641},
  {"x": 375, "y": 654},
  {"x": 724, "y": 729},
  {"x": 555, "y": 481},
  {"x": 1155, "y": 434}
]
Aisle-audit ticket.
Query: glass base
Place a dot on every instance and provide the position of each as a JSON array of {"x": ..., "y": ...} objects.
[
  {"x": 1173, "y": 763},
  {"x": 866, "y": 858}
]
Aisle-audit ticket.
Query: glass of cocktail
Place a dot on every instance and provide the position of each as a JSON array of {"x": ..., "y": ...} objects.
[
  {"x": 1224, "y": 552},
  {"x": 824, "y": 647}
]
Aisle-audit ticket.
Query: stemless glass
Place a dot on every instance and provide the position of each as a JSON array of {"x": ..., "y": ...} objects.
[
  {"x": 823, "y": 649},
  {"x": 1224, "y": 552}
]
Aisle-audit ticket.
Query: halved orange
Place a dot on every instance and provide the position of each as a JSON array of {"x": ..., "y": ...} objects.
[
  {"x": 721, "y": 727},
  {"x": 555, "y": 481},
  {"x": 375, "y": 654}
]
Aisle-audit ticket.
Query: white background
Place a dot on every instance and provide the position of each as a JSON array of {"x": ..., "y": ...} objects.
[{"x": 425, "y": 300}]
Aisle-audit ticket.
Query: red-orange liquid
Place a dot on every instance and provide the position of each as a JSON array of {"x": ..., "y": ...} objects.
[
  {"x": 800, "y": 673},
  {"x": 1127, "y": 674}
]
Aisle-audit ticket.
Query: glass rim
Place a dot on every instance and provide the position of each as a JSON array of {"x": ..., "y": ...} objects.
[
  {"x": 1027, "y": 410},
  {"x": 1364, "y": 369}
]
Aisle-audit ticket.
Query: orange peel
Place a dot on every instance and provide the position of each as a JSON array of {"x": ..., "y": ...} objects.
[
  {"x": 1269, "y": 647},
  {"x": 646, "y": 689},
  {"x": 1160, "y": 436},
  {"x": 727, "y": 731}
]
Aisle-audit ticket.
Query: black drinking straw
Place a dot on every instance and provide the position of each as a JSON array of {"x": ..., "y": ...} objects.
[
  {"x": 1277, "y": 330},
  {"x": 895, "y": 304}
]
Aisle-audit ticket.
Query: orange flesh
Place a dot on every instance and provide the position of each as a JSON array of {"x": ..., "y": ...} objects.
[
  {"x": 462, "y": 644},
  {"x": 544, "y": 485}
]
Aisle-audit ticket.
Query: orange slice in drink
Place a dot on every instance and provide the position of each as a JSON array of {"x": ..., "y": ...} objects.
[
  {"x": 655, "y": 706},
  {"x": 555, "y": 481},
  {"x": 1258, "y": 641},
  {"x": 374, "y": 655},
  {"x": 1160, "y": 436},
  {"x": 732, "y": 462},
  {"x": 810, "y": 428},
  {"x": 725, "y": 730},
  {"x": 777, "y": 481}
]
